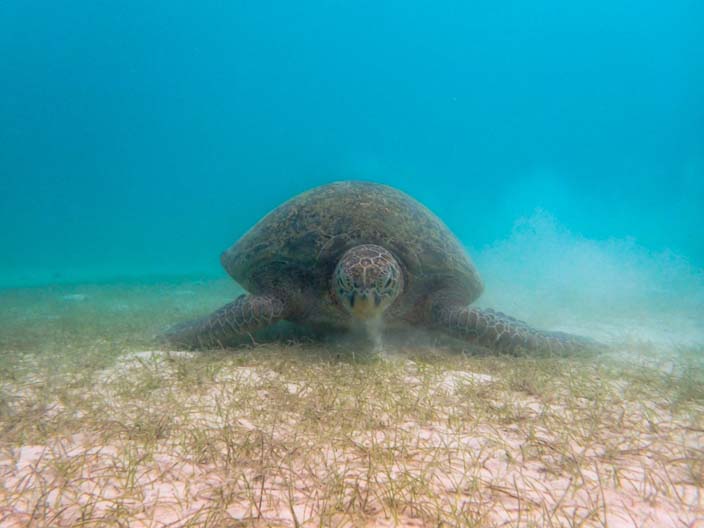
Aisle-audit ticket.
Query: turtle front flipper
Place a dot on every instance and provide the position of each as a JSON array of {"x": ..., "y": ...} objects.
[
  {"x": 500, "y": 332},
  {"x": 235, "y": 322}
]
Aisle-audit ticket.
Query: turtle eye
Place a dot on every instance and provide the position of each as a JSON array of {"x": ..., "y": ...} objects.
[
  {"x": 384, "y": 284},
  {"x": 343, "y": 282}
]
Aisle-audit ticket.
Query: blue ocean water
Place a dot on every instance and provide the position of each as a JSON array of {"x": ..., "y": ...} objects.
[
  {"x": 562, "y": 141},
  {"x": 140, "y": 139}
]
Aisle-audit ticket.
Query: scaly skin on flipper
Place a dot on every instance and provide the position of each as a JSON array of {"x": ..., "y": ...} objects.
[
  {"x": 234, "y": 322},
  {"x": 498, "y": 331}
]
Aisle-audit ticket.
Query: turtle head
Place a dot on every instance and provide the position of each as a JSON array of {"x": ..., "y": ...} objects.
[{"x": 367, "y": 280}]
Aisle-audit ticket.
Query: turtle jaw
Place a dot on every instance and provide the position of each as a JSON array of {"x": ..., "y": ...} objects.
[{"x": 366, "y": 306}]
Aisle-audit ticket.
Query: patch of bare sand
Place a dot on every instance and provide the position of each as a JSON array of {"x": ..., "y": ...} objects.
[{"x": 539, "y": 465}]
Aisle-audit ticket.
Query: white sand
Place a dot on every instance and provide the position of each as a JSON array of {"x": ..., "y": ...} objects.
[{"x": 495, "y": 474}]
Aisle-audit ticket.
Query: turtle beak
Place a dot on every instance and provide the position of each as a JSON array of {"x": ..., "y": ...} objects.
[{"x": 365, "y": 306}]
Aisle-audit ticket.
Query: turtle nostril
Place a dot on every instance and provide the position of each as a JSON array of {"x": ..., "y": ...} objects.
[{"x": 352, "y": 300}]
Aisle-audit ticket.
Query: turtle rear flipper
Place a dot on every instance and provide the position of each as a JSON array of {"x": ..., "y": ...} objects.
[
  {"x": 232, "y": 324},
  {"x": 502, "y": 333}
]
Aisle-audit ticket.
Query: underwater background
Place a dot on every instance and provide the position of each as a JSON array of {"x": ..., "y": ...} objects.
[{"x": 562, "y": 142}]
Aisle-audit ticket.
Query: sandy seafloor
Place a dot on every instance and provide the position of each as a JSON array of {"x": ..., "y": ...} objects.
[{"x": 99, "y": 427}]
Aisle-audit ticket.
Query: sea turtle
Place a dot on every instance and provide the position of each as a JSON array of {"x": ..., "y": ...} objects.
[{"x": 358, "y": 251}]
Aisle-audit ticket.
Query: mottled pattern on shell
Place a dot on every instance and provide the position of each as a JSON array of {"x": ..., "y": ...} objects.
[{"x": 301, "y": 241}]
